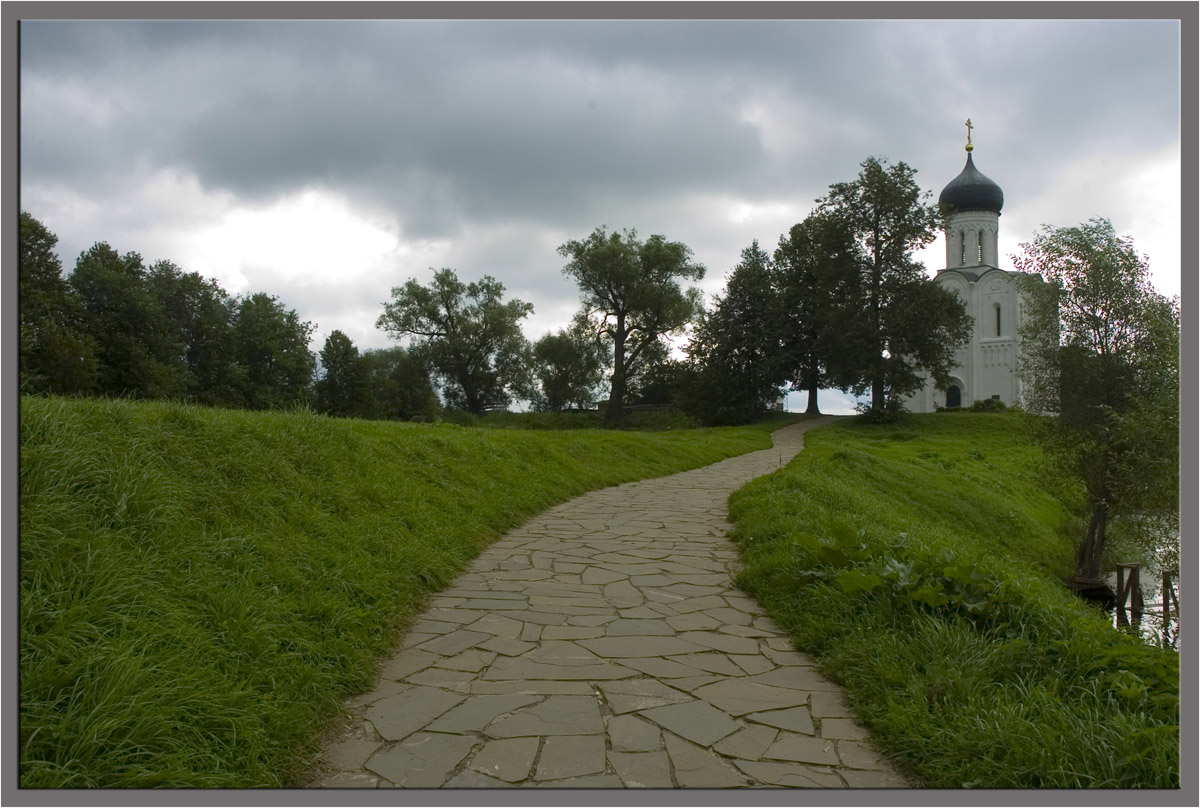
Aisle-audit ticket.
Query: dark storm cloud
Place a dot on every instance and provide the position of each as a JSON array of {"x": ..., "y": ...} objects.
[{"x": 445, "y": 122}]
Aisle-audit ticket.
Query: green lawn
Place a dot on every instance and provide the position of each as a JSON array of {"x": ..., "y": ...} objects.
[
  {"x": 921, "y": 564},
  {"x": 201, "y": 587}
]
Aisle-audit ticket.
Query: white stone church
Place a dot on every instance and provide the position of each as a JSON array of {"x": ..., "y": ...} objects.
[{"x": 987, "y": 364}]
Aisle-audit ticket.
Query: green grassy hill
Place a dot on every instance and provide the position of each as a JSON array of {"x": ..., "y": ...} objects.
[
  {"x": 200, "y": 587},
  {"x": 922, "y": 565}
]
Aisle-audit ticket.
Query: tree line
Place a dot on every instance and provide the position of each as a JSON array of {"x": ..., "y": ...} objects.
[{"x": 841, "y": 303}]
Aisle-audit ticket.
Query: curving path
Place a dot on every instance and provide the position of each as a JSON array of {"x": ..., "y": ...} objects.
[{"x": 602, "y": 644}]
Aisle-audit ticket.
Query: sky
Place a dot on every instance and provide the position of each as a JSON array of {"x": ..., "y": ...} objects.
[{"x": 325, "y": 162}]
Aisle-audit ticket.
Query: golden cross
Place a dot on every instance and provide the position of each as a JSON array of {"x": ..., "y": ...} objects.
[{"x": 969, "y": 131}]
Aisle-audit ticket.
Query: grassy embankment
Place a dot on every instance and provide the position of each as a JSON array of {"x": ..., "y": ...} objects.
[
  {"x": 200, "y": 587},
  {"x": 921, "y": 564}
]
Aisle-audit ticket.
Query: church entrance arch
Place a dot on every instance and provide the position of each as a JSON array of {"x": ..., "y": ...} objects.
[{"x": 953, "y": 396}]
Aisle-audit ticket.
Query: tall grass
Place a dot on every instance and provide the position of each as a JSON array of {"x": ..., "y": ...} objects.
[
  {"x": 201, "y": 587},
  {"x": 922, "y": 564}
]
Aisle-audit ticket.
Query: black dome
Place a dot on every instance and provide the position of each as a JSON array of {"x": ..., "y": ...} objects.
[{"x": 970, "y": 190}]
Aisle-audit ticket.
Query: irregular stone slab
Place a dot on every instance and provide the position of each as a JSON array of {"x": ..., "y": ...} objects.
[
  {"x": 803, "y": 750},
  {"x": 842, "y": 729},
  {"x": 453, "y": 643},
  {"x": 562, "y": 652},
  {"x": 557, "y": 715},
  {"x": 751, "y": 663},
  {"x": 478, "y": 711},
  {"x": 647, "y": 612},
  {"x": 697, "y": 721},
  {"x": 590, "y": 619},
  {"x": 509, "y": 759},
  {"x": 628, "y": 733},
  {"x": 442, "y": 678},
  {"x": 790, "y": 775},
  {"x": 642, "y": 769},
  {"x": 727, "y": 616},
  {"x": 873, "y": 779},
  {"x": 697, "y": 768},
  {"x": 740, "y": 696},
  {"x": 498, "y": 625},
  {"x": 710, "y": 661},
  {"x": 408, "y": 662},
  {"x": 525, "y": 668},
  {"x": 827, "y": 704},
  {"x": 721, "y": 642},
  {"x": 398, "y": 716},
  {"x": 590, "y": 781},
  {"x": 423, "y": 760},
  {"x": 796, "y": 719},
  {"x": 472, "y": 660},
  {"x": 742, "y": 631},
  {"x": 628, "y": 647},
  {"x": 748, "y": 743},
  {"x": 543, "y": 687},
  {"x": 660, "y": 668},
  {"x": 639, "y": 694},
  {"x": 459, "y": 616},
  {"x": 541, "y": 618},
  {"x": 351, "y": 753},
  {"x": 578, "y": 601},
  {"x": 623, "y": 594},
  {"x": 694, "y": 591},
  {"x": 858, "y": 755},
  {"x": 506, "y": 646},
  {"x": 423, "y": 629},
  {"x": 696, "y": 621},
  {"x": 570, "y": 756},
  {"x": 381, "y": 691},
  {"x": 572, "y": 632},
  {"x": 473, "y": 779},
  {"x": 639, "y": 628},
  {"x": 691, "y": 683},
  {"x": 795, "y": 678},
  {"x": 482, "y": 590}
]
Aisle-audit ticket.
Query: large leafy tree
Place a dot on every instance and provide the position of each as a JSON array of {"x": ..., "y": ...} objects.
[
  {"x": 271, "y": 347},
  {"x": 340, "y": 389},
  {"x": 569, "y": 366},
  {"x": 201, "y": 315},
  {"x": 57, "y": 354},
  {"x": 396, "y": 385},
  {"x": 818, "y": 291},
  {"x": 1100, "y": 355},
  {"x": 735, "y": 355},
  {"x": 631, "y": 293},
  {"x": 468, "y": 334},
  {"x": 908, "y": 323},
  {"x": 138, "y": 346}
]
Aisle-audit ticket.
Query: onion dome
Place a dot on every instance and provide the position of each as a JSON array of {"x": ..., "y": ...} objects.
[{"x": 971, "y": 190}]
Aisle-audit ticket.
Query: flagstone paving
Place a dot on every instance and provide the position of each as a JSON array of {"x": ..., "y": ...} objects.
[{"x": 603, "y": 645}]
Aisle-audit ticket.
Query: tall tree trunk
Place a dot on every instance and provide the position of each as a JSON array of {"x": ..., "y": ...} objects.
[
  {"x": 877, "y": 389},
  {"x": 616, "y": 396},
  {"x": 812, "y": 408},
  {"x": 1091, "y": 551}
]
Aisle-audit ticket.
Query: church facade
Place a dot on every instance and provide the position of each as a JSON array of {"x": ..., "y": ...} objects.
[{"x": 986, "y": 367}]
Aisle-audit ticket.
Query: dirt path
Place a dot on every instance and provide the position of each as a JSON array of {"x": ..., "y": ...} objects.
[{"x": 603, "y": 645}]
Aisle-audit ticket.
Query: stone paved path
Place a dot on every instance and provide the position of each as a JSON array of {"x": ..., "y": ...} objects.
[{"x": 603, "y": 645}]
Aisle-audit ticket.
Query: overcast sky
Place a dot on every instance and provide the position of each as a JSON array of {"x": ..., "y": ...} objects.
[{"x": 326, "y": 162}]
